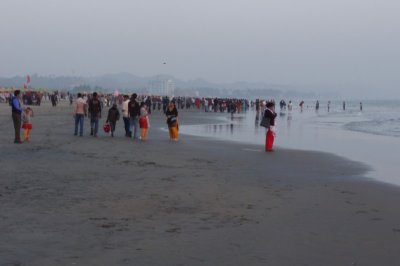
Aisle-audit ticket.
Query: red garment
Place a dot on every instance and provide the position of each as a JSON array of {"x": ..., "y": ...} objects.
[
  {"x": 269, "y": 140},
  {"x": 143, "y": 122},
  {"x": 27, "y": 126}
]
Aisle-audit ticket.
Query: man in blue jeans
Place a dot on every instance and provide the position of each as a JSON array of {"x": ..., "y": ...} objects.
[
  {"x": 125, "y": 116},
  {"x": 134, "y": 111},
  {"x": 95, "y": 114},
  {"x": 16, "y": 110},
  {"x": 79, "y": 113}
]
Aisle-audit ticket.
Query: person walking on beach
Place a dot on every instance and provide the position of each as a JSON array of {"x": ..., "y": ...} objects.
[
  {"x": 360, "y": 106},
  {"x": 79, "y": 113},
  {"x": 134, "y": 111},
  {"x": 16, "y": 110},
  {"x": 290, "y": 106},
  {"x": 125, "y": 116},
  {"x": 301, "y": 106},
  {"x": 270, "y": 136},
  {"x": 172, "y": 121},
  {"x": 144, "y": 121},
  {"x": 113, "y": 117},
  {"x": 344, "y": 105},
  {"x": 95, "y": 114},
  {"x": 26, "y": 123}
]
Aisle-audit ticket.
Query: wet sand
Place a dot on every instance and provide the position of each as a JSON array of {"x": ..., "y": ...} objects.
[{"x": 69, "y": 200}]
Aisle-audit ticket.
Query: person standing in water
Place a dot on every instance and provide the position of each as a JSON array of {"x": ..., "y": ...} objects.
[
  {"x": 361, "y": 106},
  {"x": 290, "y": 106},
  {"x": 301, "y": 106},
  {"x": 344, "y": 105},
  {"x": 172, "y": 121},
  {"x": 270, "y": 114}
]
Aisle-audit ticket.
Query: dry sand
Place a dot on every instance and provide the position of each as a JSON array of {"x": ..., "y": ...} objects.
[{"x": 69, "y": 200}]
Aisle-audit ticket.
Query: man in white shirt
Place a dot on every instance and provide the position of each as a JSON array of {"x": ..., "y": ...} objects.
[
  {"x": 125, "y": 116},
  {"x": 79, "y": 113}
]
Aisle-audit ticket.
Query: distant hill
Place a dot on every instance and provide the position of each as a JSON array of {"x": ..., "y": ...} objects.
[{"x": 126, "y": 82}]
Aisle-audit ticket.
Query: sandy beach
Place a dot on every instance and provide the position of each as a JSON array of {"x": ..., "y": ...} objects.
[{"x": 69, "y": 200}]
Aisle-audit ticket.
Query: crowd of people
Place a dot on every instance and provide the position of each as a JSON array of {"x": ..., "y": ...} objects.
[
  {"x": 135, "y": 110},
  {"x": 35, "y": 98},
  {"x": 135, "y": 114}
]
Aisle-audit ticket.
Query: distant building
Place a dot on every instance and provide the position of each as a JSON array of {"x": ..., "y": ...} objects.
[
  {"x": 169, "y": 87},
  {"x": 156, "y": 87},
  {"x": 161, "y": 87}
]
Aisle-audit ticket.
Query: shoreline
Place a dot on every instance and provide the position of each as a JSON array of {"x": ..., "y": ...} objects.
[
  {"x": 104, "y": 201},
  {"x": 351, "y": 145}
]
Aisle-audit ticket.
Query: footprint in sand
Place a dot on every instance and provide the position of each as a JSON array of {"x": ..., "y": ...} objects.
[
  {"x": 347, "y": 192},
  {"x": 98, "y": 218},
  {"x": 144, "y": 163},
  {"x": 107, "y": 225},
  {"x": 168, "y": 179},
  {"x": 173, "y": 230}
]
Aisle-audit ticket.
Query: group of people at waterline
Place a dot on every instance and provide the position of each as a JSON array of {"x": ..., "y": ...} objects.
[{"x": 135, "y": 115}]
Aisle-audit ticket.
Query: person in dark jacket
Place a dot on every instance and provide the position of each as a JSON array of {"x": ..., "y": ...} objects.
[
  {"x": 172, "y": 121},
  {"x": 95, "y": 114},
  {"x": 16, "y": 113},
  {"x": 271, "y": 115},
  {"x": 134, "y": 112},
  {"x": 113, "y": 117}
]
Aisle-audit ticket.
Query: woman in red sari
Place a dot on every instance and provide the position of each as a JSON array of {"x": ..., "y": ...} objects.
[{"x": 270, "y": 114}]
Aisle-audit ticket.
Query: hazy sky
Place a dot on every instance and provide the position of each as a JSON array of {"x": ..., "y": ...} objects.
[{"x": 344, "y": 45}]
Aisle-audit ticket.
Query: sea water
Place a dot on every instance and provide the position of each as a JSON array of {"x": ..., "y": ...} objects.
[{"x": 370, "y": 135}]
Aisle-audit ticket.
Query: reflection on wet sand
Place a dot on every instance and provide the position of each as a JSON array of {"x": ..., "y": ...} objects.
[{"x": 308, "y": 131}]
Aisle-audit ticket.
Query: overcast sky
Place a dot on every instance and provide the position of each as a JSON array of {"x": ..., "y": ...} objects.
[{"x": 332, "y": 45}]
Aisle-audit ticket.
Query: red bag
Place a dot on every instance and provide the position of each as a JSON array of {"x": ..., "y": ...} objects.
[{"x": 107, "y": 128}]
